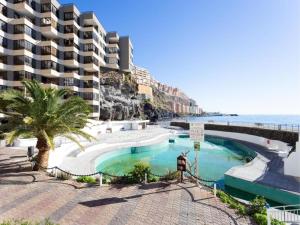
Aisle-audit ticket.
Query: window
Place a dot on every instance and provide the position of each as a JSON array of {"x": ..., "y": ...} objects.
[
  {"x": 90, "y": 59},
  {"x": 90, "y": 47},
  {"x": 68, "y": 81},
  {"x": 70, "y": 16},
  {"x": 69, "y": 42},
  {"x": 110, "y": 60},
  {"x": 3, "y": 42},
  {"x": 23, "y": 60},
  {"x": 22, "y": 44},
  {"x": 88, "y": 35},
  {"x": 46, "y": 7},
  {"x": 112, "y": 50},
  {"x": 68, "y": 29},
  {"x": 3, "y": 25},
  {"x": 70, "y": 55},
  {"x": 3, "y": 75},
  {"x": 46, "y": 50},
  {"x": 3, "y": 59},
  {"x": 91, "y": 84},
  {"x": 90, "y": 96},
  {"x": 48, "y": 64},
  {"x": 21, "y": 75},
  {"x": 3, "y": 10}
]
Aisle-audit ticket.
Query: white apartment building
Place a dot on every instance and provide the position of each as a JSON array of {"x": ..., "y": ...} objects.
[{"x": 58, "y": 46}]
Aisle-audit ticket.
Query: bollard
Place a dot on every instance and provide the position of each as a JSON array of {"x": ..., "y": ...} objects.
[
  {"x": 268, "y": 217},
  {"x": 145, "y": 178},
  {"x": 215, "y": 189},
  {"x": 101, "y": 180}
]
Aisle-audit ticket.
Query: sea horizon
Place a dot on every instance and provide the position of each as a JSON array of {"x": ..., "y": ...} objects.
[{"x": 250, "y": 118}]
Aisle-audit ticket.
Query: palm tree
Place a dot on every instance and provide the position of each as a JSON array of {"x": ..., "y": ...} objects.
[{"x": 44, "y": 113}]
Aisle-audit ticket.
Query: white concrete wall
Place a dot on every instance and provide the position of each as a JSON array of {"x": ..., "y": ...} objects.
[
  {"x": 275, "y": 146},
  {"x": 292, "y": 163}
]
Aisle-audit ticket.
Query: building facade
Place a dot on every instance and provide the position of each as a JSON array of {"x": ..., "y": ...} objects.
[
  {"x": 58, "y": 46},
  {"x": 143, "y": 78}
]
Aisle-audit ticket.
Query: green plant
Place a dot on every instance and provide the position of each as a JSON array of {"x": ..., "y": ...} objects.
[
  {"x": 233, "y": 203},
  {"x": 257, "y": 205},
  {"x": 2, "y": 136},
  {"x": 152, "y": 178},
  {"x": 171, "y": 176},
  {"x": 260, "y": 219},
  {"x": 44, "y": 113},
  {"x": 256, "y": 209},
  {"x": 64, "y": 176},
  {"x": 26, "y": 222},
  {"x": 87, "y": 179},
  {"x": 139, "y": 170}
]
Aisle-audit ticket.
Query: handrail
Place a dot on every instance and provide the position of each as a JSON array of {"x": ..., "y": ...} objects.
[
  {"x": 286, "y": 206},
  {"x": 285, "y": 213}
]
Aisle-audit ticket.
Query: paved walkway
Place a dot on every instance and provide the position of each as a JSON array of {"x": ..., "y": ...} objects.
[{"x": 34, "y": 196}]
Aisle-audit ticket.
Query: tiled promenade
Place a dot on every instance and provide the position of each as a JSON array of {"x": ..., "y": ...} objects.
[{"x": 34, "y": 196}]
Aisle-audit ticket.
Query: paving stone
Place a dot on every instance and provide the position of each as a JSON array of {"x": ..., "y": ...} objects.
[{"x": 34, "y": 196}]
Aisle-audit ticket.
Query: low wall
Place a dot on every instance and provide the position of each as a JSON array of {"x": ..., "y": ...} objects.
[
  {"x": 291, "y": 164},
  {"x": 274, "y": 194},
  {"x": 279, "y": 147},
  {"x": 280, "y": 135}
]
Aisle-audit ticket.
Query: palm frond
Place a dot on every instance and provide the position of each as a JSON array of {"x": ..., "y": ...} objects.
[{"x": 70, "y": 137}]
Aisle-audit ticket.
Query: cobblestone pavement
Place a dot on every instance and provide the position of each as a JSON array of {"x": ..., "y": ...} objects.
[{"x": 35, "y": 196}]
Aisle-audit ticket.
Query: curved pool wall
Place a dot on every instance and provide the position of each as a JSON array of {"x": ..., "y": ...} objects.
[
  {"x": 221, "y": 153},
  {"x": 274, "y": 194},
  {"x": 238, "y": 187},
  {"x": 250, "y": 182}
]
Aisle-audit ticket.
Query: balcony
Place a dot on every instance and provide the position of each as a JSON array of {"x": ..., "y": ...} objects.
[
  {"x": 25, "y": 7},
  {"x": 48, "y": 27}
]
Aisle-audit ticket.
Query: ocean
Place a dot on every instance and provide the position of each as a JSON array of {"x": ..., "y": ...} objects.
[{"x": 273, "y": 119}]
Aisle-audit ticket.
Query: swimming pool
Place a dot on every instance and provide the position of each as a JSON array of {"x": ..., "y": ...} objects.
[{"x": 216, "y": 156}]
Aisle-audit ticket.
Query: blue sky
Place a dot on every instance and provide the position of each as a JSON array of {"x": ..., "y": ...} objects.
[{"x": 234, "y": 56}]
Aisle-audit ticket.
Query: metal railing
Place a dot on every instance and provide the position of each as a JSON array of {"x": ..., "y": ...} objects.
[
  {"x": 287, "y": 214},
  {"x": 270, "y": 126}
]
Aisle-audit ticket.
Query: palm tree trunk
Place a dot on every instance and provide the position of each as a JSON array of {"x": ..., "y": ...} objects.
[{"x": 43, "y": 154}]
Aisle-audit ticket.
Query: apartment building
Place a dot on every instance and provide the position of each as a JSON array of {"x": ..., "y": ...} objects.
[
  {"x": 58, "y": 46},
  {"x": 119, "y": 52},
  {"x": 143, "y": 79}
]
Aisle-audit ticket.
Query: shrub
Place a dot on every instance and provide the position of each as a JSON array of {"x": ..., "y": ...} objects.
[
  {"x": 86, "y": 179},
  {"x": 171, "y": 176},
  {"x": 260, "y": 219},
  {"x": 257, "y": 205},
  {"x": 26, "y": 222},
  {"x": 139, "y": 170},
  {"x": 63, "y": 176},
  {"x": 152, "y": 178},
  {"x": 233, "y": 203}
]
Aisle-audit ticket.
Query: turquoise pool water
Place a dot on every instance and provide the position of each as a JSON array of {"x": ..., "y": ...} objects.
[{"x": 216, "y": 156}]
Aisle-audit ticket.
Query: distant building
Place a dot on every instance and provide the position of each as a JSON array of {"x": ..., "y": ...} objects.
[{"x": 143, "y": 79}]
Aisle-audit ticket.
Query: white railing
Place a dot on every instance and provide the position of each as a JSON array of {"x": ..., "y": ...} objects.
[{"x": 287, "y": 214}]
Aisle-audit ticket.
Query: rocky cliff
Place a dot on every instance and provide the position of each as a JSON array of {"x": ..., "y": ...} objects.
[
  {"x": 118, "y": 94},
  {"x": 120, "y": 99}
]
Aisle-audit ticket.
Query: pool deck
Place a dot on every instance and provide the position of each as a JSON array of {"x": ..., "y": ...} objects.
[
  {"x": 110, "y": 142},
  {"x": 35, "y": 196},
  {"x": 266, "y": 169}
]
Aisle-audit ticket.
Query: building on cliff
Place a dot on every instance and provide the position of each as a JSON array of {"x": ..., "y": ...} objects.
[
  {"x": 58, "y": 46},
  {"x": 143, "y": 80},
  {"x": 62, "y": 47}
]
